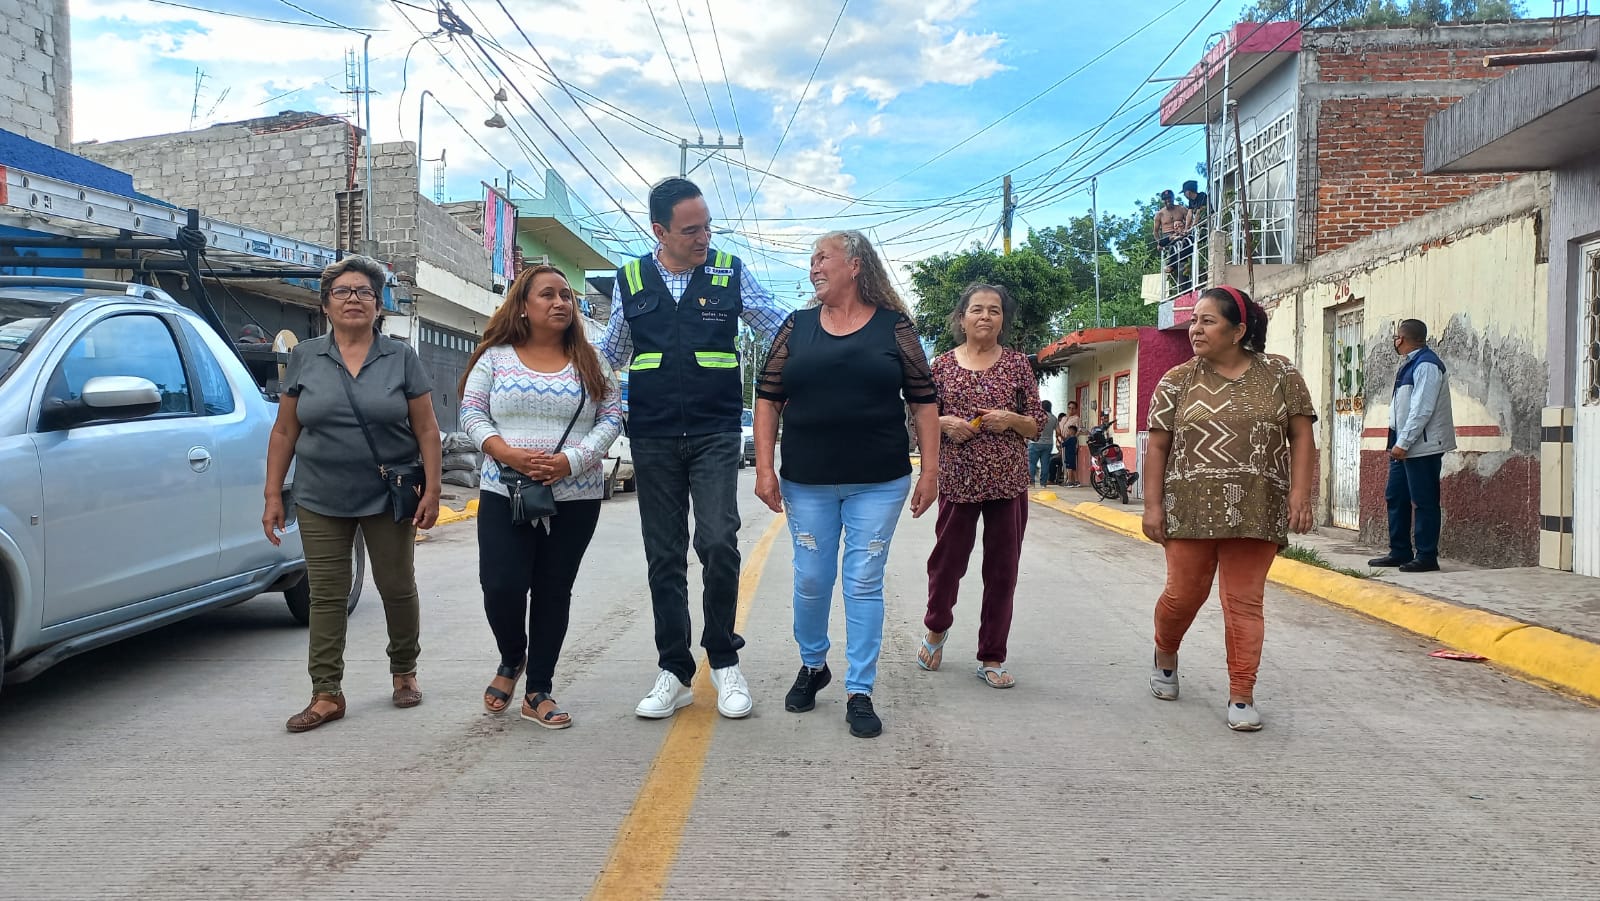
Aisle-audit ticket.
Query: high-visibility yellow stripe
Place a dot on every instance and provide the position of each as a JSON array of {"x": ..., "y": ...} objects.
[
  {"x": 646, "y": 361},
  {"x": 711, "y": 359},
  {"x": 635, "y": 279}
]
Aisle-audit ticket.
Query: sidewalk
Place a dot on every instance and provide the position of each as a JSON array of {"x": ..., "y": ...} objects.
[{"x": 1542, "y": 623}]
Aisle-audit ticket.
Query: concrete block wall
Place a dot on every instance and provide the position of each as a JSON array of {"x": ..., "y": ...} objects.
[
  {"x": 451, "y": 245},
  {"x": 282, "y": 182},
  {"x": 36, "y": 70},
  {"x": 394, "y": 205},
  {"x": 1366, "y": 97}
]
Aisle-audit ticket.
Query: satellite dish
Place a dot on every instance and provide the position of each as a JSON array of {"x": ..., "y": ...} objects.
[{"x": 283, "y": 343}]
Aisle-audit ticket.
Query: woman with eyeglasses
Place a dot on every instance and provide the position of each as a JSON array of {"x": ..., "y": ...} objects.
[{"x": 354, "y": 405}]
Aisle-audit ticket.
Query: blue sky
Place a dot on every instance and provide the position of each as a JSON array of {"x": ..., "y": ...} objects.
[{"x": 901, "y": 82}]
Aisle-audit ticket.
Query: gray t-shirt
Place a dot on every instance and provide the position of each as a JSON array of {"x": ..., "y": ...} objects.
[{"x": 335, "y": 474}]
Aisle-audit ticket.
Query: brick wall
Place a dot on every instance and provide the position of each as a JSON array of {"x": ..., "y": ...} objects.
[
  {"x": 36, "y": 70},
  {"x": 282, "y": 181},
  {"x": 1368, "y": 96}
]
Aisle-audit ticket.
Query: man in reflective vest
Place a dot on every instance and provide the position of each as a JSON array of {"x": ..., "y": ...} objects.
[{"x": 675, "y": 316}]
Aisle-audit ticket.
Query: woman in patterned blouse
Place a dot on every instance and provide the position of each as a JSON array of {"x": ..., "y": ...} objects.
[
  {"x": 534, "y": 375},
  {"x": 1228, "y": 472},
  {"x": 989, "y": 410}
]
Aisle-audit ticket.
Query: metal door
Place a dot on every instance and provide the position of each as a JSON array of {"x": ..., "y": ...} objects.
[
  {"x": 1349, "y": 416},
  {"x": 1586, "y": 421}
]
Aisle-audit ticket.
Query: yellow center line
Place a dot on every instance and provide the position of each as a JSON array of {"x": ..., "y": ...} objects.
[{"x": 646, "y": 846}]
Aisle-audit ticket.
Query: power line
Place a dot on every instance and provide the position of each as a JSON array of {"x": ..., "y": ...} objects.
[
  {"x": 246, "y": 16},
  {"x": 570, "y": 95},
  {"x": 803, "y": 92},
  {"x": 322, "y": 18},
  {"x": 668, "y": 53}
]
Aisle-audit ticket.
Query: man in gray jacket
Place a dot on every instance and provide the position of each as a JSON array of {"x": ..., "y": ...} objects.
[{"x": 1421, "y": 430}]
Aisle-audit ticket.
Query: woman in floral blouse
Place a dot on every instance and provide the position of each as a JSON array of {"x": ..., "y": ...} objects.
[
  {"x": 989, "y": 411},
  {"x": 1228, "y": 473}
]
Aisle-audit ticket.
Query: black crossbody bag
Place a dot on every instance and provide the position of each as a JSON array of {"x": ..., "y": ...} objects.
[
  {"x": 405, "y": 482},
  {"x": 531, "y": 499}
]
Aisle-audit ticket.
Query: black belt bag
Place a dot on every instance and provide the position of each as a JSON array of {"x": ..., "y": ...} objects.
[
  {"x": 405, "y": 482},
  {"x": 531, "y": 499}
]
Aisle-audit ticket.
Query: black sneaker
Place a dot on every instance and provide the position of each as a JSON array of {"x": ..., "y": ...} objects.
[
  {"x": 1420, "y": 566},
  {"x": 803, "y": 696},
  {"x": 863, "y": 722},
  {"x": 1388, "y": 560}
]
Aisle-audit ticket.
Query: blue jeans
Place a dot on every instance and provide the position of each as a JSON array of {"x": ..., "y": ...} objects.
[
  {"x": 1039, "y": 463},
  {"x": 1414, "y": 482},
  {"x": 867, "y": 516},
  {"x": 671, "y": 471}
]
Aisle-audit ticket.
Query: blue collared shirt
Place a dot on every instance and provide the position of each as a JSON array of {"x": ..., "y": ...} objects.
[{"x": 762, "y": 311}]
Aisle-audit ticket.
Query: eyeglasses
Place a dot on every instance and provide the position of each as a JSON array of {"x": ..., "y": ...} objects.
[{"x": 344, "y": 293}]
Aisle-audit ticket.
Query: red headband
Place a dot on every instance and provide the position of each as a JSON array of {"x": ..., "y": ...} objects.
[{"x": 1238, "y": 300}]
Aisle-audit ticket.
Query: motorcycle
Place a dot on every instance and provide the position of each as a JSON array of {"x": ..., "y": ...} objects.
[{"x": 1108, "y": 475}]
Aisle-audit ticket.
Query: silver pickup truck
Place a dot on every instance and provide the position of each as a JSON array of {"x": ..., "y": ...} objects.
[{"x": 133, "y": 446}]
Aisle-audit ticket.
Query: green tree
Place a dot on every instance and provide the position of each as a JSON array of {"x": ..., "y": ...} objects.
[
  {"x": 1384, "y": 12},
  {"x": 1127, "y": 254},
  {"x": 1041, "y": 290}
]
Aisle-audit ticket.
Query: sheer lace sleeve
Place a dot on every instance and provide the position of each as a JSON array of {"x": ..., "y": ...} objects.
[
  {"x": 917, "y": 381},
  {"x": 769, "y": 385}
]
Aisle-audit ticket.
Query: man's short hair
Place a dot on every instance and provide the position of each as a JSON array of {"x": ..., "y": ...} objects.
[
  {"x": 1414, "y": 330},
  {"x": 668, "y": 193}
]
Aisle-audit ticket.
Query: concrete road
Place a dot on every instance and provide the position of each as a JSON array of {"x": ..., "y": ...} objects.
[{"x": 160, "y": 768}]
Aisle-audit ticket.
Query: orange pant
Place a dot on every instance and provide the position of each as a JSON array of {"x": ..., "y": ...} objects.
[{"x": 1191, "y": 566}]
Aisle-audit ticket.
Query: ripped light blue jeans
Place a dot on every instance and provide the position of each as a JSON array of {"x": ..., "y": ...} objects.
[{"x": 865, "y": 515}]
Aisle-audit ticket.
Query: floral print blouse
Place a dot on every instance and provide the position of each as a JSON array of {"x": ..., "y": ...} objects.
[{"x": 992, "y": 466}]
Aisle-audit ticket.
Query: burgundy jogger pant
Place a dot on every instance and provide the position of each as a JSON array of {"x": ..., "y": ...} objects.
[{"x": 1004, "y": 523}]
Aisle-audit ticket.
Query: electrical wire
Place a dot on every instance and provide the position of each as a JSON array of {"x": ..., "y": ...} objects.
[
  {"x": 246, "y": 16},
  {"x": 322, "y": 18},
  {"x": 668, "y": 53},
  {"x": 803, "y": 92}
]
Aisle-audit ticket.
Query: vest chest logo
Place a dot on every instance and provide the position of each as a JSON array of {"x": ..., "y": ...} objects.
[{"x": 717, "y": 270}]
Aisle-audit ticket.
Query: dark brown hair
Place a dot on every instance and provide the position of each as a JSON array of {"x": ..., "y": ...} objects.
[
  {"x": 1237, "y": 307},
  {"x": 508, "y": 325}
]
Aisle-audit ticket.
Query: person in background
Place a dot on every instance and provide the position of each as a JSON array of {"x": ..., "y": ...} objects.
[
  {"x": 1170, "y": 225},
  {"x": 983, "y": 474},
  {"x": 839, "y": 375},
  {"x": 1422, "y": 430},
  {"x": 1229, "y": 471},
  {"x": 675, "y": 315},
  {"x": 332, "y": 383},
  {"x": 1069, "y": 456},
  {"x": 537, "y": 400},
  {"x": 1042, "y": 447},
  {"x": 1066, "y": 427},
  {"x": 1197, "y": 204}
]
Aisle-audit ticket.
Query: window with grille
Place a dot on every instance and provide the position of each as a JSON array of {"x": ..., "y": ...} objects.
[{"x": 1590, "y": 352}]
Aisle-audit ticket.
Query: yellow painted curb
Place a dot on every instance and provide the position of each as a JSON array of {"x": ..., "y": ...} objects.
[{"x": 1545, "y": 655}]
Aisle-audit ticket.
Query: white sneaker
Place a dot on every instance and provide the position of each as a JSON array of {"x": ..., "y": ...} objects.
[
  {"x": 733, "y": 692},
  {"x": 666, "y": 698},
  {"x": 1164, "y": 683},
  {"x": 1243, "y": 718}
]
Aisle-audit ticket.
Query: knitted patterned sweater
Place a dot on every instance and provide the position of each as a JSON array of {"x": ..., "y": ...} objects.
[{"x": 530, "y": 410}]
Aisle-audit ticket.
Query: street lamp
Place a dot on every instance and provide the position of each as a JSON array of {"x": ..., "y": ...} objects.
[{"x": 494, "y": 121}]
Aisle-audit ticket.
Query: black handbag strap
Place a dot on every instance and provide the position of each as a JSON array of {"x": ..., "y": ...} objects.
[{"x": 355, "y": 408}]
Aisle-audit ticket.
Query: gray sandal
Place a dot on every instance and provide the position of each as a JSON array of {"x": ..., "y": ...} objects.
[{"x": 996, "y": 676}]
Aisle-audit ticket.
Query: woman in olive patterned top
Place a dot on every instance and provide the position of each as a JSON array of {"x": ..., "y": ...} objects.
[{"x": 1229, "y": 474}]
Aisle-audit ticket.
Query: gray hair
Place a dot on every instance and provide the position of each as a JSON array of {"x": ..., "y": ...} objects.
[
  {"x": 873, "y": 283},
  {"x": 375, "y": 272}
]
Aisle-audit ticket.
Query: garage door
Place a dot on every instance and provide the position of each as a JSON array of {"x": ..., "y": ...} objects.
[{"x": 445, "y": 351}]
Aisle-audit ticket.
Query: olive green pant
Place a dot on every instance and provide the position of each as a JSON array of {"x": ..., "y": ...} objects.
[{"x": 391, "y": 550}]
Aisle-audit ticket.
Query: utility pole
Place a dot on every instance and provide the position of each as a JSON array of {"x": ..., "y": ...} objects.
[
  {"x": 1094, "y": 215},
  {"x": 1005, "y": 216},
  {"x": 684, "y": 146}
]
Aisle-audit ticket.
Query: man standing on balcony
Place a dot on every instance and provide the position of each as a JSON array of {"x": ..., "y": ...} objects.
[
  {"x": 675, "y": 316},
  {"x": 1171, "y": 226},
  {"x": 1199, "y": 208},
  {"x": 1421, "y": 430}
]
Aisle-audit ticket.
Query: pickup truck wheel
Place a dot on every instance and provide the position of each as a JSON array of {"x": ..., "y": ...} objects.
[
  {"x": 610, "y": 488},
  {"x": 298, "y": 596}
]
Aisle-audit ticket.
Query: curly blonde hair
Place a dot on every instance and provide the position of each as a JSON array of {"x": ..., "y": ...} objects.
[{"x": 873, "y": 283}]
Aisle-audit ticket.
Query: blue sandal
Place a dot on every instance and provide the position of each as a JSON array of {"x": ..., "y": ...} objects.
[{"x": 932, "y": 653}]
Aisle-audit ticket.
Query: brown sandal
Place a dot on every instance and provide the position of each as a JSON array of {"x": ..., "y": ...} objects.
[
  {"x": 555, "y": 719},
  {"x": 309, "y": 718},
  {"x": 407, "y": 695}
]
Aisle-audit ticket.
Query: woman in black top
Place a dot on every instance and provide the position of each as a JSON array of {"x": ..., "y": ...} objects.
[{"x": 840, "y": 374}]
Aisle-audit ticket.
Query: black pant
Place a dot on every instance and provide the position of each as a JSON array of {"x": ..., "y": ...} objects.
[
  {"x": 671, "y": 473},
  {"x": 526, "y": 571}
]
